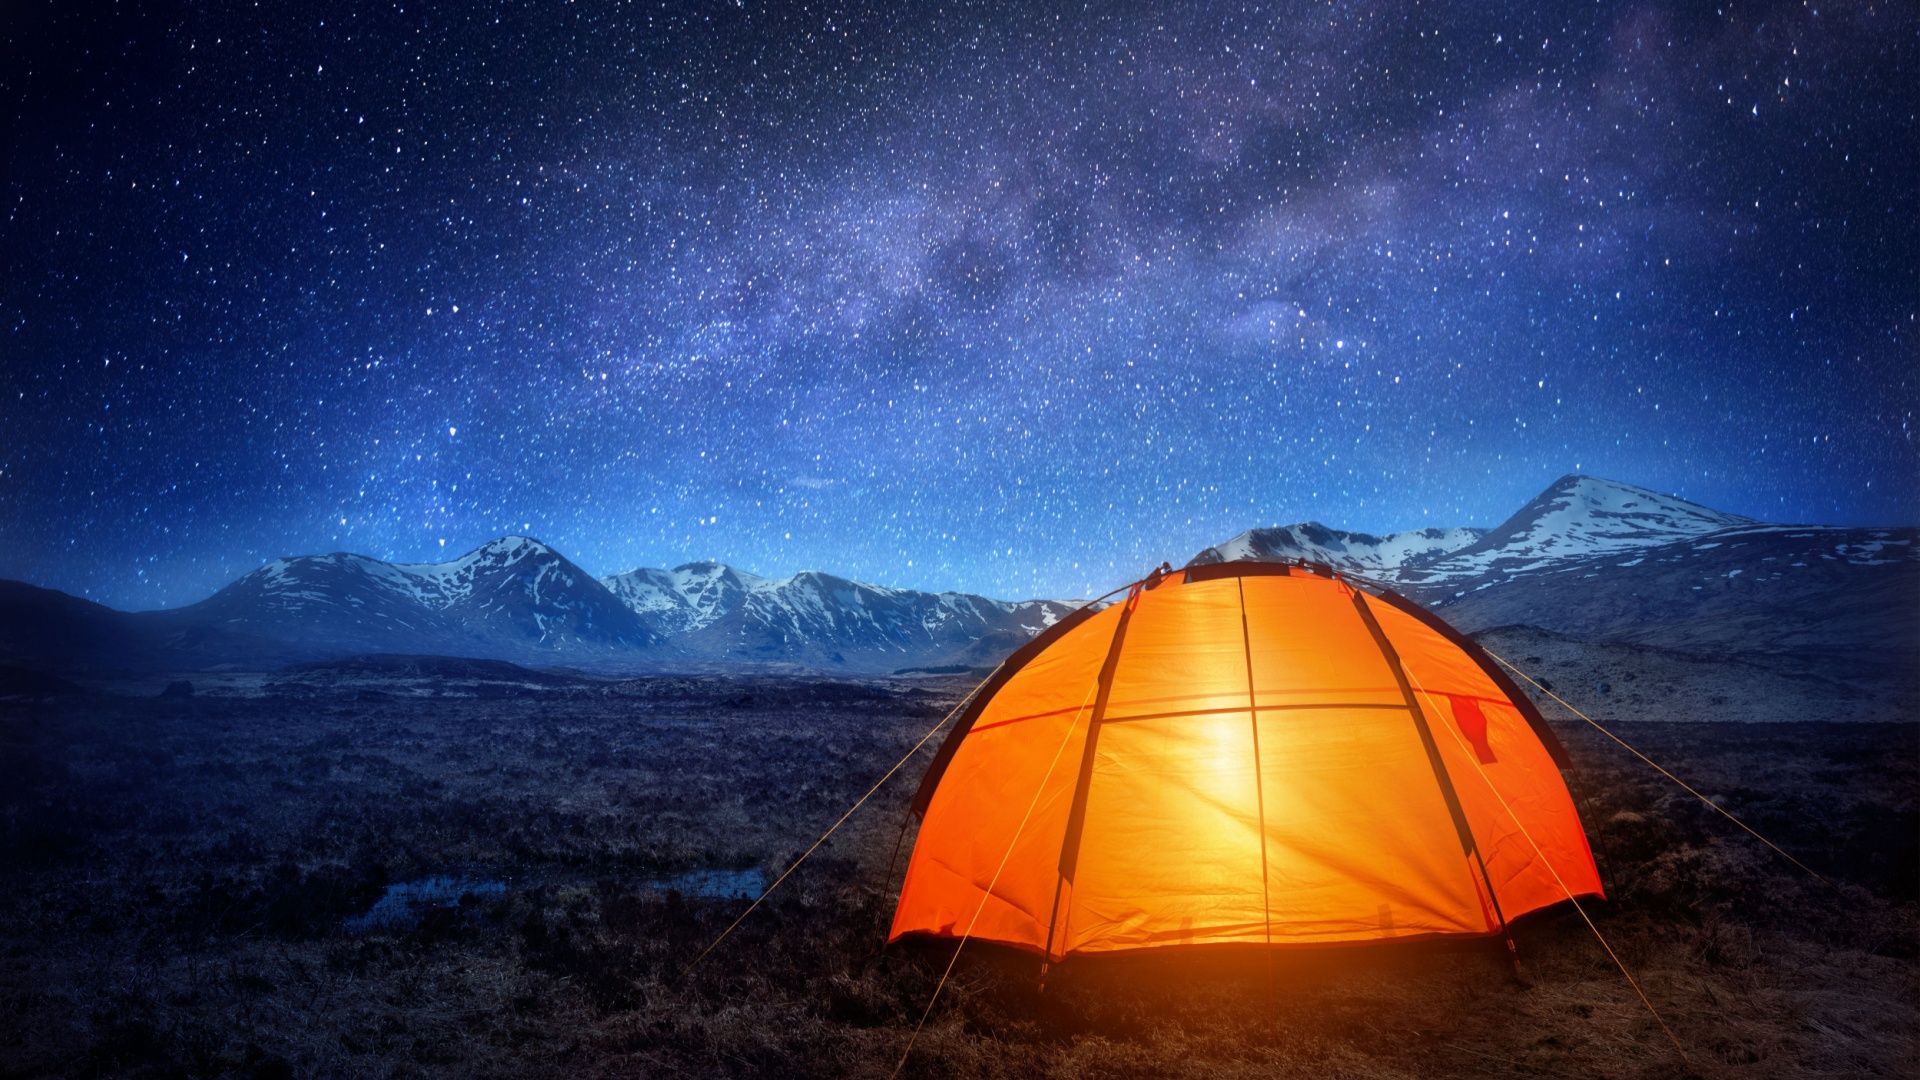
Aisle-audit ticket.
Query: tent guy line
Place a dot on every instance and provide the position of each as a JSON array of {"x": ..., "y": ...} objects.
[
  {"x": 1065, "y": 738},
  {"x": 958, "y": 708},
  {"x": 1689, "y": 788},
  {"x": 1574, "y": 900},
  {"x": 831, "y": 829}
]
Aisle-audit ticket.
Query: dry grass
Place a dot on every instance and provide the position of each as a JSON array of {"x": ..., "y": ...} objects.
[{"x": 179, "y": 872}]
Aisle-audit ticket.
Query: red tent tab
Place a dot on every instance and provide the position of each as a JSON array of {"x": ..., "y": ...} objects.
[{"x": 1473, "y": 724}]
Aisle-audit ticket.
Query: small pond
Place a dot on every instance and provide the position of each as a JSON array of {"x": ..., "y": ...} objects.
[
  {"x": 405, "y": 903},
  {"x": 713, "y": 884}
]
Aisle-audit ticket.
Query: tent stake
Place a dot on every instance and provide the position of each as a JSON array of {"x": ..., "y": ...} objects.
[
  {"x": 886, "y": 883},
  {"x": 1513, "y": 961}
]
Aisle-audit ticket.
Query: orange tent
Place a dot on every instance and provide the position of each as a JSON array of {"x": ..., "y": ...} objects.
[{"x": 1244, "y": 753}]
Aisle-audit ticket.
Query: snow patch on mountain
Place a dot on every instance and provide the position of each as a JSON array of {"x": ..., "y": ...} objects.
[
  {"x": 1576, "y": 518},
  {"x": 1358, "y": 552},
  {"x": 711, "y": 609},
  {"x": 307, "y": 578},
  {"x": 502, "y": 598}
]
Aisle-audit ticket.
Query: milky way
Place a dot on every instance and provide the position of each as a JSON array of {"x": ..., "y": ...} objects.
[{"x": 1014, "y": 302}]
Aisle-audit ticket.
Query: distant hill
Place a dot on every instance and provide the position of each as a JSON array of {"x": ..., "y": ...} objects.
[{"x": 405, "y": 665}]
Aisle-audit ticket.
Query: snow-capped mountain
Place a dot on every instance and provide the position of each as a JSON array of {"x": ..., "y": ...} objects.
[
  {"x": 1822, "y": 600},
  {"x": 1601, "y": 560},
  {"x": 686, "y": 598},
  {"x": 514, "y": 596},
  {"x": 1577, "y": 517},
  {"x": 517, "y": 599},
  {"x": 1361, "y": 553},
  {"x": 714, "y": 611}
]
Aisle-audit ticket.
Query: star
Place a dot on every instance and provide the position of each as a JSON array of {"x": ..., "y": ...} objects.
[{"x": 1016, "y": 302}]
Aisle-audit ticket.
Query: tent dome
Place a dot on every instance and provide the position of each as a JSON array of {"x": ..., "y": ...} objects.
[{"x": 1242, "y": 754}]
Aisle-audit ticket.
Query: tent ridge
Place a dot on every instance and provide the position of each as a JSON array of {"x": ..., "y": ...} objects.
[{"x": 1077, "y": 817}]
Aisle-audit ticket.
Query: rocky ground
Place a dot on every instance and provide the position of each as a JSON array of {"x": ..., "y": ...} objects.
[
  {"x": 192, "y": 882},
  {"x": 1641, "y": 682}
]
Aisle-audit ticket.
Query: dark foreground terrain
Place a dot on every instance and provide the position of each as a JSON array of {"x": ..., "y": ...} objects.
[{"x": 217, "y": 883}]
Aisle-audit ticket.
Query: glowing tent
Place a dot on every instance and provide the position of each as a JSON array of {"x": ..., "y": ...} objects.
[{"x": 1245, "y": 753}]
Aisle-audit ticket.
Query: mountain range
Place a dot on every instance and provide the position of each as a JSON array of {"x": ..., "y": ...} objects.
[
  {"x": 1590, "y": 558},
  {"x": 715, "y": 611},
  {"x": 518, "y": 599}
]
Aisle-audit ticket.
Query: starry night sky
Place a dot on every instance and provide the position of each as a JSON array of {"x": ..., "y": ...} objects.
[{"x": 957, "y": 297}]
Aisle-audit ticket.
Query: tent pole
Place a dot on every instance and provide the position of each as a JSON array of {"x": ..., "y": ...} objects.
[
  {"x": 1046, "y": 951},
  {"x": 1468, "y": 845},
  {"x": 1513, "y": 949},
  {"x": 1571, "y": 898},
  {"x": 1077, "y": 815},
  {"x": 1259, "y": 801},
  {"x": 985, "y": 895},
  {"x": 886, "y": 883}
]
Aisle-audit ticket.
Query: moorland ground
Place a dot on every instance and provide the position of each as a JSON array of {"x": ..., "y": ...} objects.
[{"x": 185, "y": 878}]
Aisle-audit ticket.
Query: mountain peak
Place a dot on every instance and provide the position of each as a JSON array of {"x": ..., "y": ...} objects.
[
  {"x": 1576, "y": 517},
  {"x": 1586, "y": 485},
  {"x": 510, "y": 546},
  {"x": 708, "y": 572},
  {"x": 715, "y": 610},
  {"x": 703, "y": 566},
  {"x": 1356, "y": 552},
  {"x": 512, "y": 595},
  {"x": 1596, "y": 498}
]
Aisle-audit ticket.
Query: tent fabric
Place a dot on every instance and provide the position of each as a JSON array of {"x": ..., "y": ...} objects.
[{"x": 1243, "y": 754}]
